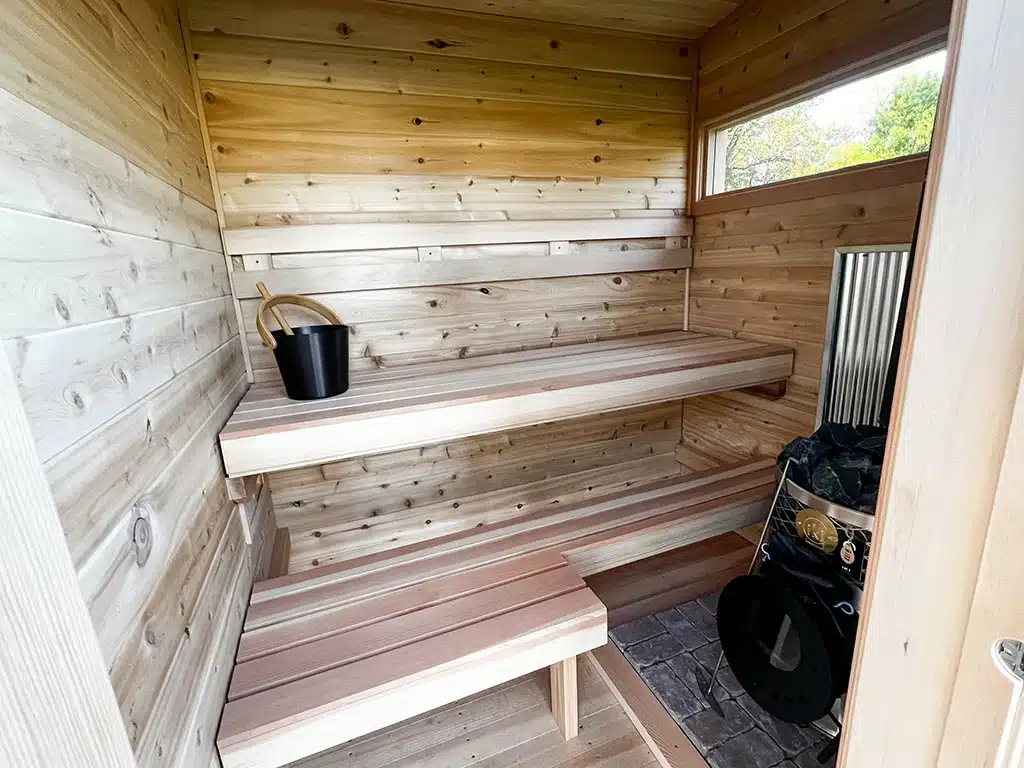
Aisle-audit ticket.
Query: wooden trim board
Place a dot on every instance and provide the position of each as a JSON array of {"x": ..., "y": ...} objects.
[
  {"x": 431, "y": 403},
  {"x": 309, "y": 280},
  {"x": 959, "y": 377},
  {"x": 660, "y": 732},
  {"x": 57, "y": 706},
  {"x": 887, "y": 173},
  {"x": 356, "y": 237}
]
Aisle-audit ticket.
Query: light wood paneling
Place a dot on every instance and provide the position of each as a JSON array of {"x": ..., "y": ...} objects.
[
  {"x": 765, "y": 274},
  {"x": 342, "y": 237},
  {"x": 126, "y": 348},
  {"x": 77, "y": 62},
  {"x": 771, "y": 51},
  {"x": 675, "y": 18},
  {"x": 377, "y": 502},
  {"x": 450, "y": 322},
  {"x": 56, "y": 704},
  {"x": 414, "y": 30},
  {"x": 936, "y": 603},
  {"x": 71, "y": 382},
  {"x": 241, "y": 151},
  {"x": 322, "y": 65},
  {"x": 280, "y": 199},
  {"x": 52, "y": 170},
  {"x": 58, "y": 274},
  {"x": 281, "y": 114}
]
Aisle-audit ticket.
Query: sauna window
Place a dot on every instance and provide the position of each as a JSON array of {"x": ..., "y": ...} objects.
[{"x": 880, "y": 117}]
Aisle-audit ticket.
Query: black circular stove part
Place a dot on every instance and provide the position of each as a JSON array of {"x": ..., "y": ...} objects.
[{"x": 783, "y": 646}]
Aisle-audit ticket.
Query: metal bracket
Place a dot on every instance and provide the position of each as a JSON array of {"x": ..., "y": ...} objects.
[{"x": 1008, "y": 655}]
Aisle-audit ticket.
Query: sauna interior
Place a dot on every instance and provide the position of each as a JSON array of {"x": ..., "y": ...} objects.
[{"x": 573, "y": 356}]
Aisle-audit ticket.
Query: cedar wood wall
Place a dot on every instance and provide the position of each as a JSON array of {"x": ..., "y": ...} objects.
[
  {"x": 379, "y": 112},
  {"x": 117, "y": 319},
  {"x": 763, "y": 271}
]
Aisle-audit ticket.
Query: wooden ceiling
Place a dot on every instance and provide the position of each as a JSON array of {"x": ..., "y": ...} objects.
[{"x": 688, "y": 19}]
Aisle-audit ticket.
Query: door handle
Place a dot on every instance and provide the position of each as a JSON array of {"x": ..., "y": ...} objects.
[{"x": 1008, "y": 656}]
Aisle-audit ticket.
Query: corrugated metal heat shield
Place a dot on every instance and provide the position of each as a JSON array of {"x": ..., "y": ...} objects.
[{"x": 866, "y": 301}]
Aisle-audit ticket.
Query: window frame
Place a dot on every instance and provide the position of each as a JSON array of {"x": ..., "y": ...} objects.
[{"x": 708, "y": 156}]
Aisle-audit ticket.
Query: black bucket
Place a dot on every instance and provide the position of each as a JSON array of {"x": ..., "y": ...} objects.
[
  {"x": 313, "y": 362},
  {"x": 313, "y": 359}
]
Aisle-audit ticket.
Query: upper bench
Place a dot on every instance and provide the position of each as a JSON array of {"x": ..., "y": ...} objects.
[{"x": 418, "y": 405}]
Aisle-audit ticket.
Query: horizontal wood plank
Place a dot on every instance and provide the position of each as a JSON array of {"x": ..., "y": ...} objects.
[
  {"x": 830, "y": 48},
  {"x": 75, "y": 380},
  {"x": 314, "y": 280},
  {"x": 866, "y": 178},
  {"x": 75, "y": 62},
  {"x": 674, "y": 18},
  {"x": 231, "y": 58},
  {"x": 302, "y": 196},
  {"x": 50, "y": 169},
  {"x": 382, "y": 635},
  {"x": 140, "y": 441},
  {"x": 290, "y": 111},
  {"x": 345, "y": 237},
  {"x": 56, "y": 274},
  {"x": 591, "y": 380},
  {"x": 242, "y": 150},
  {"x": 369, "y": 24}
]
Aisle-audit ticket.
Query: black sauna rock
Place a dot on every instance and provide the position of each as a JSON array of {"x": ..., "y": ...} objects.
[
  {"x": 839, "y": 462},
  {"x": 836, "y": 483}
]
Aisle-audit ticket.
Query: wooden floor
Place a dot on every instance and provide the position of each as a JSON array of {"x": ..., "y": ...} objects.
[{"x": 510, "y": 725}]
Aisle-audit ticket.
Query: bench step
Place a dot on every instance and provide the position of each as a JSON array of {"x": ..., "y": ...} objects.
[
  {"x": 365, "y": 689},
  {"x": 400, "y": 408},
  {"x": 342, "y": 650}
]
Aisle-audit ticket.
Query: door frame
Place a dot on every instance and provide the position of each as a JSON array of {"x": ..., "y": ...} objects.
[{"x": 960, "y": 370}]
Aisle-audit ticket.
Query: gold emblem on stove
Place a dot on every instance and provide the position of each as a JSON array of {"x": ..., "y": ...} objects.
[{"x": 816, "y": 529}]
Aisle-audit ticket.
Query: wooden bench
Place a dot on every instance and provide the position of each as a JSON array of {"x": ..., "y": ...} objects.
[
  {"x": 406, "y": 407},
  {"x": 336, "y": 652}
]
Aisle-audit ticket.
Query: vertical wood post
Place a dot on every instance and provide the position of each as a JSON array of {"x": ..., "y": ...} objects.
[
  {"x": 57, "y": 706},
  {"x": 565, "y": 697}
]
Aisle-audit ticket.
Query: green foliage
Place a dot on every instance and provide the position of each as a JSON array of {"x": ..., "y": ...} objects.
[
  {"x": 902, "y": 125},
  {"x": 789, "y": 143}
]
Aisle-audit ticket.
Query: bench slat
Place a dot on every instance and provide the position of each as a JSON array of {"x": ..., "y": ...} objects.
[
  {"x": 395, "y": 602},
  {"x": 301, "y": 718},
  {"x": 379, "y": 637},
  {"x": 388, "y": 411},
  {"x": 414, "y": 561}
]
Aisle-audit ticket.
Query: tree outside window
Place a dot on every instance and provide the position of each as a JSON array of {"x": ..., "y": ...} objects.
[{"x": 859, "y": 123}]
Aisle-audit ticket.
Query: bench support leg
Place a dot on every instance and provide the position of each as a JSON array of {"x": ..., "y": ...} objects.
[{"x": 564, "y": 697}]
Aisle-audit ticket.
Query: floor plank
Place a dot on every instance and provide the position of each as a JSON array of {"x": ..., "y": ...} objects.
[{"x": 509, "y": 726}]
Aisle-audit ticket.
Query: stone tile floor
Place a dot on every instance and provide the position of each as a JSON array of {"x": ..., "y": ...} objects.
[{"x": 667, "y": 648}]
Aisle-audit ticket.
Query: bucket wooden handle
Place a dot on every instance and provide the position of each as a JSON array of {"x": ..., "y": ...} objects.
[{"x": 290, "y": 298}]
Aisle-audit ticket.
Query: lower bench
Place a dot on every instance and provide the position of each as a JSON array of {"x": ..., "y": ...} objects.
[{"x": 340, "y": 651}]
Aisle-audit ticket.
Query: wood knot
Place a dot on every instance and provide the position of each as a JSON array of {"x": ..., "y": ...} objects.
[
  {"x": 439, "y": 44},
  {"x": 344, "y": 30},
  {"x": 554, "y": 44}
]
